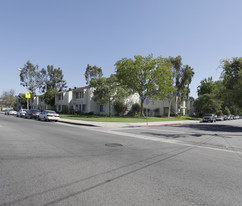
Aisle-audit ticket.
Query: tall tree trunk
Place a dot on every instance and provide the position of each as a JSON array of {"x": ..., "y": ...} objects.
[{"x": 169, "y": 106}]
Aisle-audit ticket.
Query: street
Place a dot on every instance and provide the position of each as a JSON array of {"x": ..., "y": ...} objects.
[{"x": 48, "y": 163}]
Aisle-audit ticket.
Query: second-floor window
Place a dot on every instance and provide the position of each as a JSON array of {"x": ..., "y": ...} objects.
[
  {"x": 77, "y": 95},
  {"x": 60, "y": 97},
  {"x": 82, "y": 94}
]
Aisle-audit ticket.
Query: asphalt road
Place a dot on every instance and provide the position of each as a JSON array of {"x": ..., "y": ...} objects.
[{"x": 47, "y": 163}]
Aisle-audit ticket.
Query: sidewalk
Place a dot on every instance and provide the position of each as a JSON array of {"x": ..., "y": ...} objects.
[{"x": 124, "y": 124}]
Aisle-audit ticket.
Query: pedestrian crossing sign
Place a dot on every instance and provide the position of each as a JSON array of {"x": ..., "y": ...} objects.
[{"x": 27, "y": 95}]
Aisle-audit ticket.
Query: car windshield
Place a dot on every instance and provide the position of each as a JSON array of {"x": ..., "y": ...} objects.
[{"x": 51, "y": 112}]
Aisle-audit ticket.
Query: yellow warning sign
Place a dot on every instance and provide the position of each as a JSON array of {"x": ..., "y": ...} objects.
[{"x": 27, "y": 95}]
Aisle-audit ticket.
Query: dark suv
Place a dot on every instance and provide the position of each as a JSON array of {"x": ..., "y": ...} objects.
[
  {"x": 209, "y": 118},
  {"x": 32, "y": 113}
]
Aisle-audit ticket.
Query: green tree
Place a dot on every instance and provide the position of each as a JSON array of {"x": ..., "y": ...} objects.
[
  {"x": 29, "y": 77},
  {"x": 237, "y": 91},
  {"x": 207, "y": 103},
  {"x": 51, "y": 81},
  {"x": 51, "y": 78},
  {"x": 107, "y": 90},
  {"x": 146, "y": 76},
  {"x": 23, "y": 100},
  {"x": 119, "y": 106},
  {"x": 93, "y": 72},
  {"x": 232, "y": 77},
  {"x": 207, "y": 86},
  {"x": 226, "y": 111},
  {"x": 49, "y": 96},
  {"x": 183, "y": 75},
  {"x": 8, "y": 98}
]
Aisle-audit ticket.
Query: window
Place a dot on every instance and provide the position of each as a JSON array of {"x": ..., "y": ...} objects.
[
  {"x": 60, "y": 97},
  {"x": 59, "y": 108},
  {"x": 101, "y": 108},
  {"x": 77, "y": 96},
  {"x": 82, "y": 94}
]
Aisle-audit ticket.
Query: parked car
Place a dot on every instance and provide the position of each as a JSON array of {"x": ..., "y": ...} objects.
[
  {"x": 21, "y": 113},
  {"x": 220, "y": 118},
  {"x": 10, "y": 112},
  {"x": 49, "y": 115},
  {"x": 237, "y": 117},
  {"x": 32, "y": 113},
  {"x": 209, "y": 118}
]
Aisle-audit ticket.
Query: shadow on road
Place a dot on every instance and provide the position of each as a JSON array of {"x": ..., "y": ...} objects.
[
  {"x": 213, "y": 127},
  {"x": 212, "y": 130}
]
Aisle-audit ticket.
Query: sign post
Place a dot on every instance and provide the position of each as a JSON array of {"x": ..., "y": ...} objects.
[
  {"x": 27, "y": 96},
  {"x": 146, "y": 101}
]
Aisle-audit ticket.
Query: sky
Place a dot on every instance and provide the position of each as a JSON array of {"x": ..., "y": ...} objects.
[{"x": 71, "y": 34}]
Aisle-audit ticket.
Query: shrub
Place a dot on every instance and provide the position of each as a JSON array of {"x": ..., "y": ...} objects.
[
  {"x": 135, "y": 110},
  {"x": 119, "y": 107}
]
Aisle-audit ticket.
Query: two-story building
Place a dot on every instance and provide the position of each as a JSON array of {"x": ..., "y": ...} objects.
[
  {"x": 37, "y": 102},
  {"x": 63, "y": 101}
]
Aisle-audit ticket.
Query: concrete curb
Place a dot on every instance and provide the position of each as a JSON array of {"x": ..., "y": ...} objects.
[
  {"x": 78, "y": 123},
  {"x": 123, "y": 125},
  {"x": 159, "y": 125}
]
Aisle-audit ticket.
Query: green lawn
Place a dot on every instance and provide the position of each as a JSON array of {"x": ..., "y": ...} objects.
[{"x": 97, "y": 118}]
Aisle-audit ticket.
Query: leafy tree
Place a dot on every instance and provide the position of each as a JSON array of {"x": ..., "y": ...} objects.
[
  {"x": 219, "y": 90},
  {"x": 49, "y": 96},
  {"x": 183, "y": 77},
  {"x": 92, "y": 72},
  {"x": 237, "y": 91},
  {"x": 23, "y": 100},
  {"x": 51, "y": 82},
  {"x": 145, "y": 75},
  {"x": 232, "y": 75},
  {"x": 52, "y": 78},
  {"x": 29, "y": 77},
  {"x": 119, "y": 106},
  {"x": 135, "y": 109},
  {"x": 8, "y": 98},
  {"x": 226, "y": 111},
  {"x": 107, "y": 90},
  {"x": 207, "y": 86},
  {"x": 207, "y": 103}
]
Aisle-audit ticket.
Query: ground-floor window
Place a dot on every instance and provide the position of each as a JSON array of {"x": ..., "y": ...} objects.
[
  {"x": 83, "y": 108},
  {"x": 101, "y": 108},
  {"x": 59, "y": 108}
]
